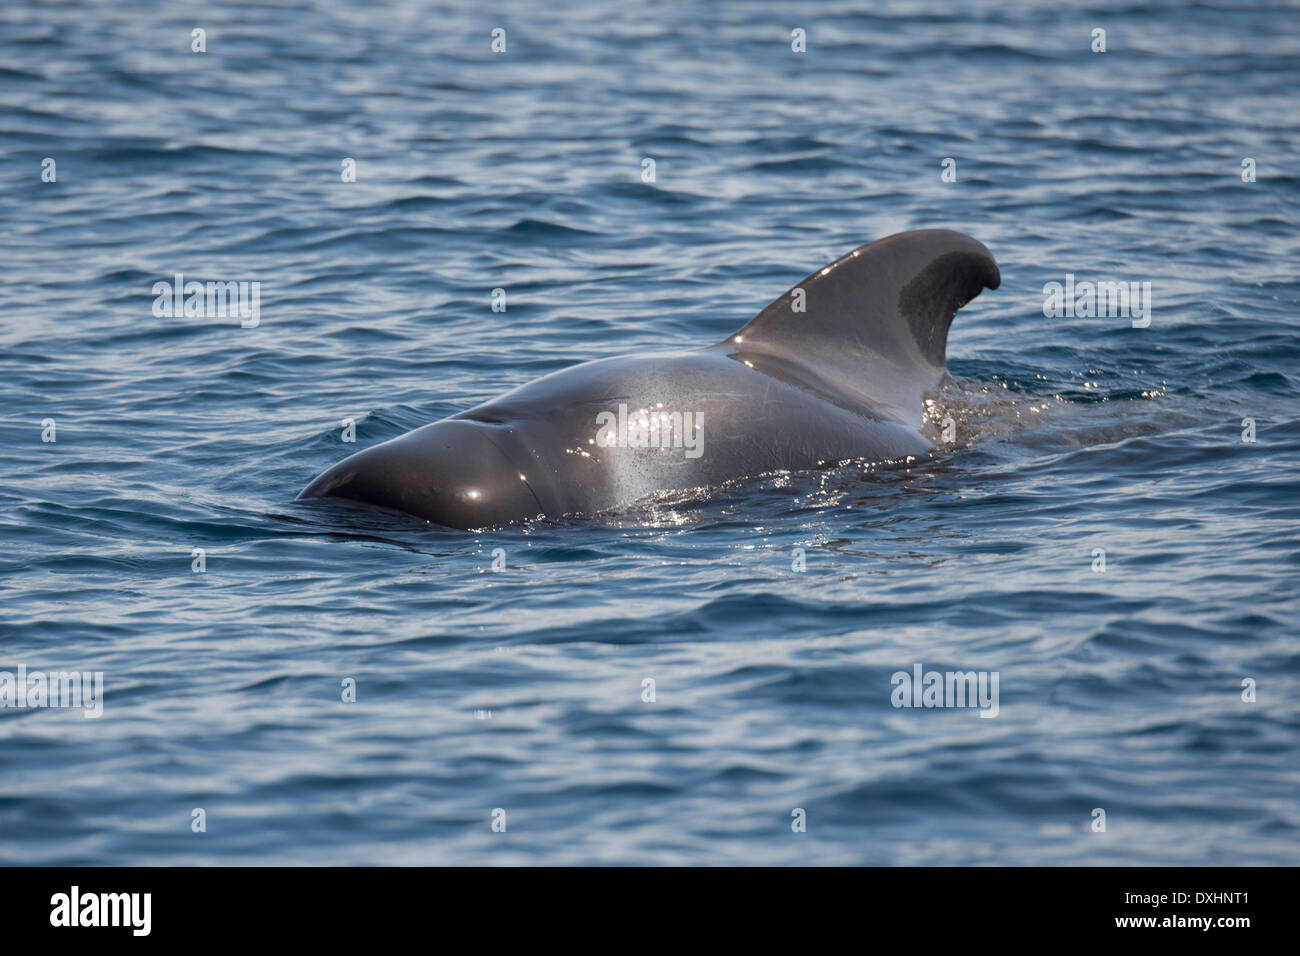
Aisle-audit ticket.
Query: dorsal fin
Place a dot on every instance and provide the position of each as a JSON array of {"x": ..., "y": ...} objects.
[{"x": 875, "y": 321}]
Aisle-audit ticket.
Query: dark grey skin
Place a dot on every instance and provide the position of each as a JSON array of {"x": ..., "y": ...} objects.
[{"x": 843, "y": 379}]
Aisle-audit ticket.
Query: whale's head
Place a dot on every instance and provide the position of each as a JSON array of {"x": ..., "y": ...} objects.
[{"x": 452, "y": 473}]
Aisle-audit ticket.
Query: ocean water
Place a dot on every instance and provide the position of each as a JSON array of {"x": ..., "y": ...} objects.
[{"x": 518, "y": 694}]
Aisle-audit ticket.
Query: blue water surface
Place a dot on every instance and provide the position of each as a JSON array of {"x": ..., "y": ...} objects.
[{"x": 523, "y": 690}]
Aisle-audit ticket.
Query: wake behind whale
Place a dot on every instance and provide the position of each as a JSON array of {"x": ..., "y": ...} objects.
[{"x": 837, "y": 368}]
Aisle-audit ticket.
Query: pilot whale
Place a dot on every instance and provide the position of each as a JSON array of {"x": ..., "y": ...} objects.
[{"x": 835, "y": 369}]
